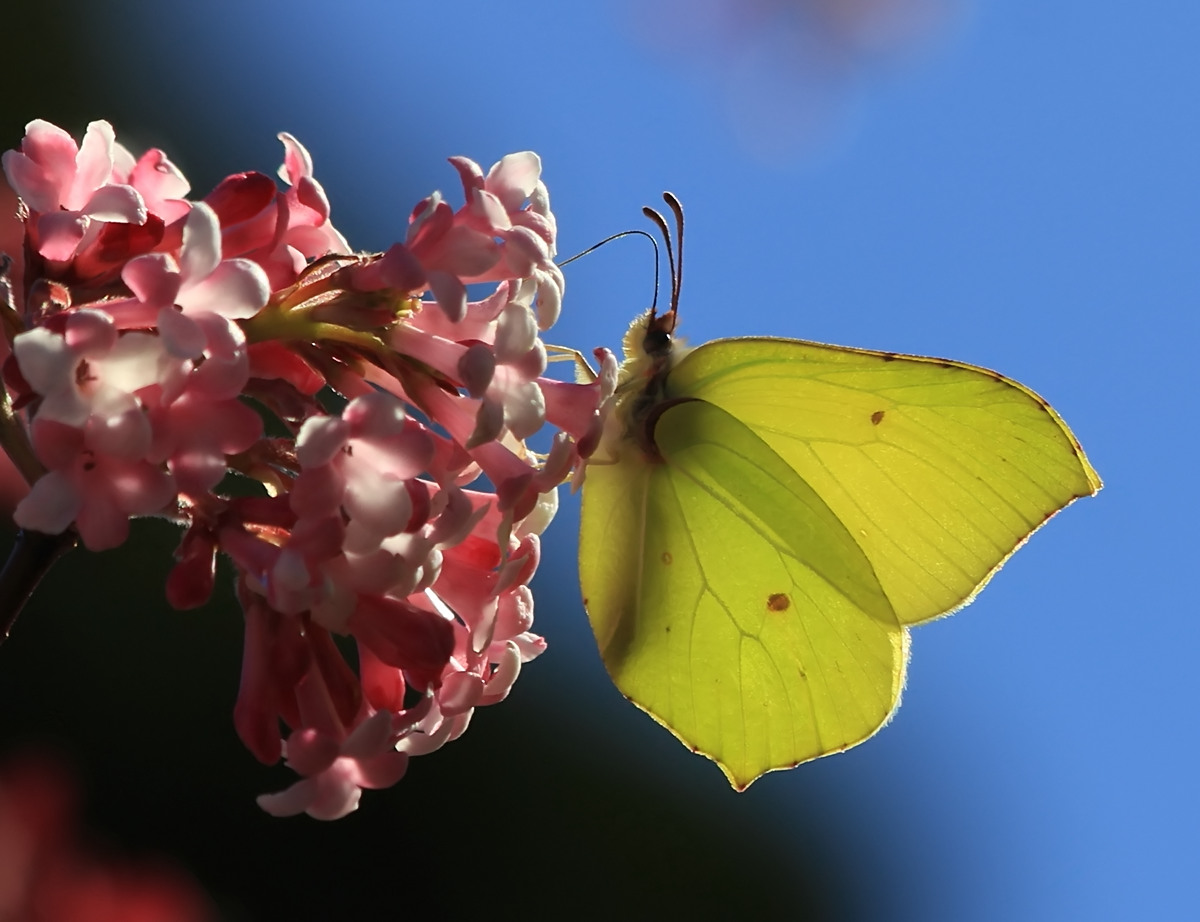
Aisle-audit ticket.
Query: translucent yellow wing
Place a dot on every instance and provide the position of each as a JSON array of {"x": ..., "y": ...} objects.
[
  {"x": 774, "y": 513},
  {"x": 940, "y": 470},
  {"x": 731, "y": 604}
]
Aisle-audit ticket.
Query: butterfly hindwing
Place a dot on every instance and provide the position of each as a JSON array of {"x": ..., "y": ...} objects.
[{"x": 742, "y": 614}]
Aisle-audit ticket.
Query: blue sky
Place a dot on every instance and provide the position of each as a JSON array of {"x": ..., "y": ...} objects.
[{"x": 1019, "y": 193}]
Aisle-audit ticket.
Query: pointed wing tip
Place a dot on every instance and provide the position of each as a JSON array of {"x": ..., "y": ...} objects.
[{"x": 739, "y": 782}]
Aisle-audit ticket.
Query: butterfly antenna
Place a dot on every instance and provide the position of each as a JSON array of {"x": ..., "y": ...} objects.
[
  {"x": 667, "y": 321},
  {"x": 618, "y": 236},
  {"x": 677, "y": 271}
]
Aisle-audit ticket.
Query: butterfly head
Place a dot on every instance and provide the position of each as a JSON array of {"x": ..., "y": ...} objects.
[
  {"x": 655, "y": 330},
  {"x": 651, "y": 351},
  {"x": 659, "y": 329},
  {"x": 650, "y": 339}
]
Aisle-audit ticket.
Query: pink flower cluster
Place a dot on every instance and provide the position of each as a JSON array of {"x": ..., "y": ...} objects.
[{"x": 397, "y": 502}]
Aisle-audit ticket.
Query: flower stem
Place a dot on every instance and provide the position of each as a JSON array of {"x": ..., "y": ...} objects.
[{"x": 31, "y": 558}]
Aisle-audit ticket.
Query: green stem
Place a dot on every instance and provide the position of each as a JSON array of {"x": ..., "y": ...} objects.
[{"x": 298, "y": 326}]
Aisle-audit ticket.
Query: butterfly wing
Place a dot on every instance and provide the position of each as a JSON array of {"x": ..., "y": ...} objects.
[
  {"x": 751, "y": 589},
  {"x": 938, "y": 469},
  {"x": 731, "y": 603}
]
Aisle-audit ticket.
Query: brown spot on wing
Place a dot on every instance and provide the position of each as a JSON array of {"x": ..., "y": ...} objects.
[
  {"x": 778, "y": 601},
  {"x": 877, "y": 417},
  {"x": 667, "y": 558}
]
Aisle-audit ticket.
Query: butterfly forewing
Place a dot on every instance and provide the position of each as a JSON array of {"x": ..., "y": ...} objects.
[{"x": 939, "y": 470}]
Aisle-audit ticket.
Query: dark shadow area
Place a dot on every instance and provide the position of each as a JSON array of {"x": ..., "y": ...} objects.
[{"x": 519, "y": 814}]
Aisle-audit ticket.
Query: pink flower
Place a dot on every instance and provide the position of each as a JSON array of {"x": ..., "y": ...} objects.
[
  {"x": 280, "y": 650},
  {"x": 341, "y": 744},
  {"x": 91, "y": 432},
  {"x": 85, "y": 217},
  {"x": 151, "y": 321},
  {"x": 196, "y": 433},
  {"x": 171, "y": 293},
  {"x": 162, "y": 186},
  {"x": 504, "y": 231},
  {"x": 51, "y": 174},
  {"x": 89, "y": 369},
  {"x": 309, "y": 232},
  {"x": 279, "y": 231},
  {"x": 336, "y": 768},
  {"x": 90, "y": 486}
]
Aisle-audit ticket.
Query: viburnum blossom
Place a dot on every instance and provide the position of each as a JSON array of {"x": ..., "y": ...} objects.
[{"x": 396, "y": 501}]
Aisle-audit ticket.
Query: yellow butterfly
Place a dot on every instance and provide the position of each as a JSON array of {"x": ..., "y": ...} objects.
[{"x": 765, "y": 518}]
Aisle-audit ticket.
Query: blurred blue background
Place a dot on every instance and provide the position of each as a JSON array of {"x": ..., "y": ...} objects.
[{"x": 1008, "y": 184}]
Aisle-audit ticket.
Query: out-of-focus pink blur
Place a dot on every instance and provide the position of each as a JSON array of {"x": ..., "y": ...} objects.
[
  {"x": 789, "y": 70},
  {"x": 47, "y": 875}
]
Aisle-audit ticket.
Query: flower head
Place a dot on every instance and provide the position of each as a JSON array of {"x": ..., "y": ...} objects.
[{"x": 394, "y": 502}]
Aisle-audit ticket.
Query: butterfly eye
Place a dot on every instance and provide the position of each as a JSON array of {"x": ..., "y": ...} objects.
[{"x": 656, "y": 342}]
